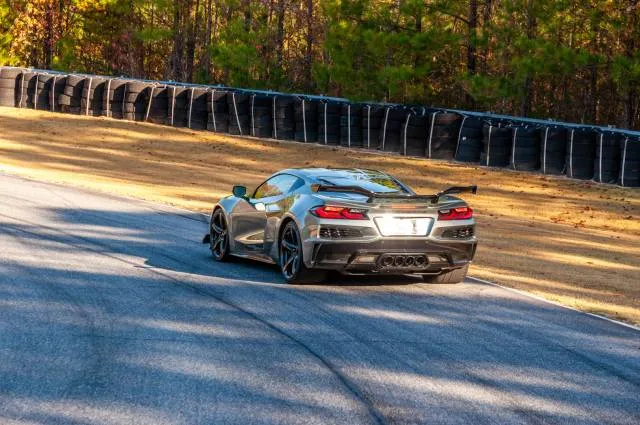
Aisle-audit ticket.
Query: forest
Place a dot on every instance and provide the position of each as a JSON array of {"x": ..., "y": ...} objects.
[{"x": 568, "y": 60}]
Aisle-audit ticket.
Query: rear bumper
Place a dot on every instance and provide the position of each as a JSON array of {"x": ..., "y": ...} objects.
[{"x": 407, "y": 255}]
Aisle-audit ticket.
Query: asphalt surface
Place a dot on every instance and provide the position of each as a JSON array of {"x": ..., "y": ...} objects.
[{"x": 112, "y": 312}]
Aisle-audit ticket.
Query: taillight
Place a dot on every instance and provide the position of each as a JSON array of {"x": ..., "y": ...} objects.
[
  {"x": 460, "y": 213},
  {"x": 340, "y": 213}
]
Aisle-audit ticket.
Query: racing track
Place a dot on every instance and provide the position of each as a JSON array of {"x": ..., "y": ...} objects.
[{"x": 112, "y": 312}]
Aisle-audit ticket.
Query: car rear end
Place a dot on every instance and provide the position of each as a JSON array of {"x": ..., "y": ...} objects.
[{"x": 356, "y": 234}]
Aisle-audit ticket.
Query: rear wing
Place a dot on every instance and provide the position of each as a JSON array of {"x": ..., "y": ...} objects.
[{"x": 434, "y": 199}]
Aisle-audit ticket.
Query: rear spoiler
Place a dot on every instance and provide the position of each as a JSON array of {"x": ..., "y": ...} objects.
[{"x": 373, "y": 195}]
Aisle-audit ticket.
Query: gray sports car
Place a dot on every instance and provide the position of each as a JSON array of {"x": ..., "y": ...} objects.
[{"x": 312, "y": 220}]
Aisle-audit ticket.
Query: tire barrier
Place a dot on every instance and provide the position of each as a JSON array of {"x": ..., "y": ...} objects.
[
  {"x": 261, "y": 115},
  {"x": 92, "y": 92},
  {"x": 525, "y": 149},
  {"x": 27, "y": 85},
  {"x": 239, "y": 113},
  {"x": 9, "y": 82},
  {"x": 372, "y": 116},
  {"x": 630, "y": 162},
  {"x": 136, "y": 100},
  {"x": 329, "y": 122},
  {"x": 158, "y": 108},
  {"x": 306, "y": 120},
  {"x": 113, "y": 98},
  {"x": 606, "y": 167},
  {"x": 414, "y": 134},
  {"x": 581, "y": 149},
  {"x": 38, "y": 91},
  {"x": 444, "y": 128},
  {"x": 553, "y": 148},
  {"x": 218, "y": 111},
  {"x": 197, "y": 114},
  {"x": 70, "y": 97},
  {"x": 392, "y": 125},
  {"x": 284, "y": 120},
  {"x": 351, "y": 125},
  {"x": 469, "y": 144},
  {"x": 496, "y": 149}
]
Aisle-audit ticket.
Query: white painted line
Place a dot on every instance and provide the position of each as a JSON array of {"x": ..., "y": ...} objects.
[{"x": 526, "y": 294}]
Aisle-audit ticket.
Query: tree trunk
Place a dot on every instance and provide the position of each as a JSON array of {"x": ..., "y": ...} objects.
[
  {"x": 176, "y": 53},
  {"x": 49, "y": 40},
  {"x": 280, "y": 35},
  {"x": 486, "y": 18},
  {"x": 308, "y": 60},
  {"x": 471, "y": 48},
  {"x": 193, "y": 25},
  {"x": 525, "y": 105},
  {"x": 206, "y": 55}
]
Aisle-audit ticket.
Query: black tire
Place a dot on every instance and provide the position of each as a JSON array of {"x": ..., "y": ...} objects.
[
  {"x": 11, "y": 72},
  {"x": 219, "y": 236},
  {"x": 290, "y": 258},
  {"x": 453, "y": 276}
]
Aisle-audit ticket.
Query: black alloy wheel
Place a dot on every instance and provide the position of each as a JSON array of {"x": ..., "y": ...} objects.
[
  {"x": 290, "y": 252},
  {"x": 219, "y": 239},
  {"x": 291, "y": 258}
]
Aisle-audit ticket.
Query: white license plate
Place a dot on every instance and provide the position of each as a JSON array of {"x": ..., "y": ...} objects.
[{"x": 394, "y": 226}]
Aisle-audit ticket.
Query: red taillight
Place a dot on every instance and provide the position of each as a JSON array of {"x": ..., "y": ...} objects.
[
  {"x": 339, "y": 213},
  {"x": 460, "y": 213}
]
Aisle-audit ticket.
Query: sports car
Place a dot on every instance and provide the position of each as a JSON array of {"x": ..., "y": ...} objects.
[{"x": 309, "y": 221}]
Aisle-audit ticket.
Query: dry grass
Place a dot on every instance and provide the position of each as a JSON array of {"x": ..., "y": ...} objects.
[{"x": 569, "y": 241}]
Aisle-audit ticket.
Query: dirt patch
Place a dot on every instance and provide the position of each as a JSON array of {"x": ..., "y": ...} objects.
[{"x": 574, "y": 242}]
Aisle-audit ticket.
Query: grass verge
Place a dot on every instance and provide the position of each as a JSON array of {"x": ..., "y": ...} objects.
[{"x": 574, "y": 242}]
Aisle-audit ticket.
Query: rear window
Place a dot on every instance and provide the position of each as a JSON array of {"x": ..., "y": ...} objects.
[{"x": 376, "y": 184}]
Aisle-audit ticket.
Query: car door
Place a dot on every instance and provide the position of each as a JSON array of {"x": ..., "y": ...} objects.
[{"x": 250, "y": 218}]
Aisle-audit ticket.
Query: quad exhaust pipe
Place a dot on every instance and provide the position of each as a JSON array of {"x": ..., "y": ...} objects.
[{"x": 402, "y": 260}]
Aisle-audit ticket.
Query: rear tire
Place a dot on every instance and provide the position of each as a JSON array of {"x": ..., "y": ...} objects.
[
  {"x": 453, "y": 276},
  {"x": 291, "y": 261}
]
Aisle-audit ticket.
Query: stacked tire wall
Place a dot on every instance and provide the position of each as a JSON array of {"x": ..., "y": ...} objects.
[
  {"x": 92, "y": 92},
  {"x": 113, "y": 98},
  {"x": 218, "y": 111},
  {"x": 306, "y": 120},
  {"x": 525, "y": 149},
  {"x": 630, "y": 162},
  {"x": 390, "y": 139},
  {"x": 284, "y": 121},
  {"x": 239, "y": 114},
  {"x": 351, "y": 125},
  {"x": 329, "y": 123},
  {"x": 261, "y": 115},
  {"x": 9, "y": 81},
  {"x": 372, "y": 116},
  {"x": 604, "y": 155},
  {"x": 444, "y": 128},
  {"x": 606, "y": 166},
  {"x": 70, "y": 99},
  {"x": 581, "y": 154},
  {"x": 553, "y": 150},
  {"x": 413, "y": 135},
  {"x": 469, "y": 145},
  {"x": 496, "y": 149}
]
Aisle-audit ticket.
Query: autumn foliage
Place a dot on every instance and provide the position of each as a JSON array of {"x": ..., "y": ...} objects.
[{"x": 571, "y": 60}]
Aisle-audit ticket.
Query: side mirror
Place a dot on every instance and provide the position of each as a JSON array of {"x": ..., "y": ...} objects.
[{"x": 239, "y": 191}]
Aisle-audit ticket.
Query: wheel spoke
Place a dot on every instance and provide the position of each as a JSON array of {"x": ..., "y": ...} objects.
[
  {"x": 289, "y": 262},
  {"x": 216, "y": 228},
  {"x": 288, "y": 245}
]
